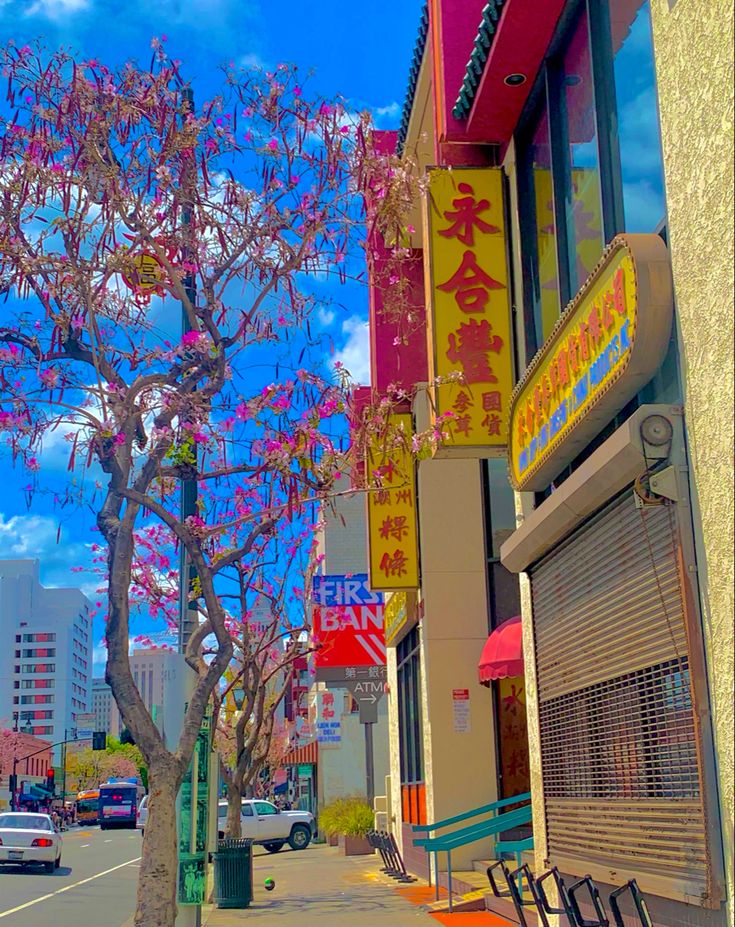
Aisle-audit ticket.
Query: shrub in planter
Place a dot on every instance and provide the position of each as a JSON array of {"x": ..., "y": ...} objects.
[{"x": 348, "y": 819}]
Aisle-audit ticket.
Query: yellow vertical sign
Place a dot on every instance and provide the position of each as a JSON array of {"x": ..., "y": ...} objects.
[
  {"x": 392, "y": 524},
  {"x": 469, "y": 320}
]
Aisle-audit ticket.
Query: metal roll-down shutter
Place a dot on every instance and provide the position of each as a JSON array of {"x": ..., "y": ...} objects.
[{"x": 619, "y": 744}]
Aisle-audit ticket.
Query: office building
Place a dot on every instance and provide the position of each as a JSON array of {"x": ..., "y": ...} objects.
[{"x": 45, "y": 652}]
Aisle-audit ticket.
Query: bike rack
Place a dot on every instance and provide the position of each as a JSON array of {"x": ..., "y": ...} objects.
[
  {"x": 393, "y": 865},
  {"x": 638, "y": 900},
  {"x": 568, "y": 903}
]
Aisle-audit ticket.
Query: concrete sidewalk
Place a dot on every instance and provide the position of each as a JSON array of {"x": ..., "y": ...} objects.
[{"x": 319, "y": 887}]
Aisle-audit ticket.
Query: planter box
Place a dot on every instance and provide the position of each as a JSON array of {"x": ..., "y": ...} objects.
[
  {"x": 355, "y": 846},
  {"x": 333, "y": 840}
]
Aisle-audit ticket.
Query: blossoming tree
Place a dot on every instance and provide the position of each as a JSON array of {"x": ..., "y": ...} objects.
[{"x": 122, "y": 208}]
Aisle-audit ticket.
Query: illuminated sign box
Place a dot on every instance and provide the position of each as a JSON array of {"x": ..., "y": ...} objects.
[
  {"x": 608, "y": 343},
  {"x": 401, "y": 614},
  {"x": 469, "y": 322}
]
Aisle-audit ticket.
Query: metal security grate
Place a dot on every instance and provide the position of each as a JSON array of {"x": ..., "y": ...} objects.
[
  {"x": 633, "y": 737},
  {"x": 619, "y": 743}
]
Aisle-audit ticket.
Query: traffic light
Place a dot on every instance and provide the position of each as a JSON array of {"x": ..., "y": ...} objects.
[
  {"x": 50, "y": 780},
  {"x": 12, "y": 784},
  {"x": 99, "y": 740}
]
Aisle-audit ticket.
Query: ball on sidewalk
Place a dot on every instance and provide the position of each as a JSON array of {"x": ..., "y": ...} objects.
[{"x": 269, "y": 885}]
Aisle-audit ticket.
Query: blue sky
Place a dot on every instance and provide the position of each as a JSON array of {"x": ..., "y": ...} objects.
[{"x": 359, "y": 51}]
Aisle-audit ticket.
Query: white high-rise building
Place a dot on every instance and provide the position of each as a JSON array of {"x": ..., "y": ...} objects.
[
  {"x": 45, "y": 653},
  {"x": 106, "y": 715},
  {"x": 153, "y": 669}
]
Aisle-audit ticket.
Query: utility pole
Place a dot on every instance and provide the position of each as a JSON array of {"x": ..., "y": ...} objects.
[{"x": 188, "y": 612}]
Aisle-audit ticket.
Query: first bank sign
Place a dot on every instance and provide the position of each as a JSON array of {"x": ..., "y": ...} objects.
[{"x": 609, "y": 342}]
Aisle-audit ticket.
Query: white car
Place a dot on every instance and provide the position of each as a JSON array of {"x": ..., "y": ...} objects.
[
  {"x": 265, "y": 824},
  {"x": 142, "y": 817},
  {"x": 27, "y": 839}
]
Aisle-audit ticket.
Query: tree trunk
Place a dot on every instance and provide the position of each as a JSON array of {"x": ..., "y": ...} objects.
[
  {"x": 233, "y": 824},
  {"x": 157, "y": 883}
]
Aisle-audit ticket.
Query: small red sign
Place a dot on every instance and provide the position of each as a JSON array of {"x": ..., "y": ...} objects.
[{"x": 460, "y": 695}]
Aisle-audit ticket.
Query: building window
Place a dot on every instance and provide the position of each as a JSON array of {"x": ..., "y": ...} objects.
[
  {"x": 500, "y": 523},
  {"x": 590, "y": 137},
  {"x": 410, "y": 728}
]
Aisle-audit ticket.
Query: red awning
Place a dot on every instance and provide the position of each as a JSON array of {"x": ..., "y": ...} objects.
[
  {"x": 302, "y": 755},
  {"x": 502, "y": 654}
]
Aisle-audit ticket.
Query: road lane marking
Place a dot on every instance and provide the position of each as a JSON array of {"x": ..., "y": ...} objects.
[
  {"x": 84, "y": 846},
  {"x": 67, "y": 888},
  {"x": 108, "y": 841}
]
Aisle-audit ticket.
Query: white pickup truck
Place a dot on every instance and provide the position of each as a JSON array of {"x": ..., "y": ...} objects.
[{"x": 263, "y": 823}]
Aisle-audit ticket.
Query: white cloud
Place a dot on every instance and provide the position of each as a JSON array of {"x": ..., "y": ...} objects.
[
  {"x": 326, "y": 317},
  {"x": 37, "y": 537},
  {"x": 355, "y": 353},
  {"x": 251, "y": 60},
  {"x": 56, "y": 9}
]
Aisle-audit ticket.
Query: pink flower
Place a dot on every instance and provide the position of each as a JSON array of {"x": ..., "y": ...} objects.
[
  {"x": 119, "y": 438},
  {"x": 273, "y": 144}
]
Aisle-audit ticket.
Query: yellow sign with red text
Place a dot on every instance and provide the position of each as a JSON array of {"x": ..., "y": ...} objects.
[
  {"x": 608, "y": 344},
  {"x": 392, "y": 523},
  {"x": 469, "y": 320}
]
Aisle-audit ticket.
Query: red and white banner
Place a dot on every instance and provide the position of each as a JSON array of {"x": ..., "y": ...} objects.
[{"x": 349, "y": 635}]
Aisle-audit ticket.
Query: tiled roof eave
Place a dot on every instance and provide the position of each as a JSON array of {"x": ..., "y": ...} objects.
[
  {"x": 413, "y": 77},
  {"x": 478, "y": 59}
]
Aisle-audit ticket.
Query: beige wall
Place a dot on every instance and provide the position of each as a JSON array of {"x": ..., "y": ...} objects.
[
  {"x": 693, "y": 42},
  {"x": 460, "y": 769}
]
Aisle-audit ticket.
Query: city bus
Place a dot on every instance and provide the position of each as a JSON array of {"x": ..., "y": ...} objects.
[
  {"x": 118, "y": 802},
  {"x": 88, "y": 806}
]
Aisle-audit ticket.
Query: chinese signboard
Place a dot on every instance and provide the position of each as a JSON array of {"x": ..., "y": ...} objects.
[
  {"x": 348, "y": 636},
  {"x": 401, "y": 614},
  {"x": 608, "y": 344},
  {"x": 392, "y": 525},
  {"x": 514, "y": 758},
  {"x": 469, "y": 321},
  {"x": 193, "y": 820},
  {"x": 328, "y": 723}
]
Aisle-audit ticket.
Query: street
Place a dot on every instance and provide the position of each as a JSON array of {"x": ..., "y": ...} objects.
[{"x": 95, "y": 884}]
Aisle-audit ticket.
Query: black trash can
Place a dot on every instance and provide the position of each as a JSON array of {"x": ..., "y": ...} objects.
[{"x": 233, "y": 873}]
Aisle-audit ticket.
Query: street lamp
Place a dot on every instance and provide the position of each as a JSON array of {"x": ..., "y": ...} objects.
[{"x": 238, "y": 695}]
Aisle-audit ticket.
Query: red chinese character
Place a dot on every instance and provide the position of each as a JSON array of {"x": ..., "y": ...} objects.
[
  {"x": 554, "y": 377},
  {"x": 404, "y": 495},
  {"x": 381, "y": 497},
  {"x": 584, "y": 345},
  {"x": 573, "y": 348},
  {"x": 537, "y": 408},
  {"x": 562, "y": 360},
  {"x": 619, "y": 292},
  {"x": 594, "y": 324},
  {"x": 530, "y": 419},
  {"x": 394, "y": 564},
  {"x": 492, "y": 402},
  {"x": 470, "y": 284},
  {"x": 492, "y": 422},
  {"x": 463, "y": 424},
  {"x": 608, "y": 302},
  {"x": 462, "y": 403},
  {"x": 385, "y": 473},
  {"x": 471, "y": 350},
  {"x": 465, "y": 216},
  {"x": 394, "y": 527},
  {"x": 545, "y": 395},
  {"x": 521, "y": 435}
]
